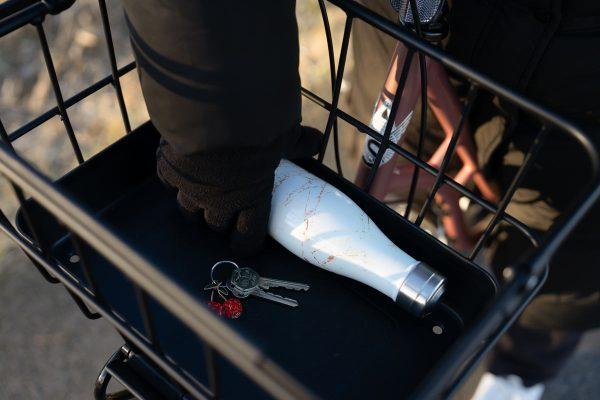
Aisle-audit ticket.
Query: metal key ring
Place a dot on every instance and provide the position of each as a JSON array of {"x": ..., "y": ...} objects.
[{"x": 212, "y": 270}]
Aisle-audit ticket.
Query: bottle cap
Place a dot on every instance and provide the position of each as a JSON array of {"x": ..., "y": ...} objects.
[{"x": 421, "y": 289}]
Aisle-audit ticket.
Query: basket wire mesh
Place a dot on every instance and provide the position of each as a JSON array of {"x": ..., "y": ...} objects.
[{"x": 218, "y": 338}]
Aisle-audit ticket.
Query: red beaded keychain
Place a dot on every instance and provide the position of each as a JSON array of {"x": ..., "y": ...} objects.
[{"x": 230, "y": 307}]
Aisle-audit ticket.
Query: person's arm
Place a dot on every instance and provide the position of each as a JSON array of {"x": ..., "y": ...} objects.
[
  {"x": 217, "y": 75},
  {"x": 221, "y": 83}
]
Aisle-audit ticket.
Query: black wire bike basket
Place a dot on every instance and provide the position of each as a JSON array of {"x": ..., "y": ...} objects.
[{"x": 131, "y": 264}]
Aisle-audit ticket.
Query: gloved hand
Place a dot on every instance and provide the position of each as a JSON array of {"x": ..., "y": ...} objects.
[{"x": 232, "y": 188}]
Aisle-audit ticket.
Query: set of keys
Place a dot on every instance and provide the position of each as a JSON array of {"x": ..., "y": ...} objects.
[{"x": 246, "y": 282}]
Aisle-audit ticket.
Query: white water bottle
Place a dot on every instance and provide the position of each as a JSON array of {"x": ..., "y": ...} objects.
[{"x": 320, "y": 224}]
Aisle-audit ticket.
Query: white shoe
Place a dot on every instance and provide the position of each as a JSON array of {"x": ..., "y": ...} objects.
[{"x": 494, "y": 387}]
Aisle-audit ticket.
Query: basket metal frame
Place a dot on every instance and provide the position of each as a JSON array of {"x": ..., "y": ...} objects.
[{"x": 216, "y": 336}]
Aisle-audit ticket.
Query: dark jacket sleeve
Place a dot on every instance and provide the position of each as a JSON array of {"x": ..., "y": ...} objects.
[{"x": 217, "y": 74}]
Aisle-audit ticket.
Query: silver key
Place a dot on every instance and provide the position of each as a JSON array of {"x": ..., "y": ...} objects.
[
  {"x": 274, "y": 297},
  {"x": 267, "y": 283},
  {"x": 245, "y": 282}
]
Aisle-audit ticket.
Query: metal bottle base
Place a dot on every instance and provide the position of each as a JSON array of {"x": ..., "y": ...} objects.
[{"x": 421, "y": 290}]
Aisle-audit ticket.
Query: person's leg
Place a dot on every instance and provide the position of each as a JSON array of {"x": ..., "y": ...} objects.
[{"x": 539, "y": 344}]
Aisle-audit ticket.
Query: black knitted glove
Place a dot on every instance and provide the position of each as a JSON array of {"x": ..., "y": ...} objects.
[{"x": 232, "y": 189}]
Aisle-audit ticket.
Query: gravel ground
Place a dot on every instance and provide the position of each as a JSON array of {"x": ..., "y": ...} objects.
[
  {"x": 48, "y": 350},
  {"x": 579, "y": 379}
]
